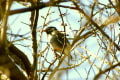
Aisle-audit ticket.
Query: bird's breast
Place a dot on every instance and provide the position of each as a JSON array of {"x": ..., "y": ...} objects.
[{"x": 52, "y": 39}]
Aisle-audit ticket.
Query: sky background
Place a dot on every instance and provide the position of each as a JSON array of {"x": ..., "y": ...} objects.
[{"x": 17, "y": 26}]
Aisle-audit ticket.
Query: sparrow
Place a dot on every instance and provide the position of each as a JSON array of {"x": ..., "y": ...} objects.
[{"x": 58, "y": 41}]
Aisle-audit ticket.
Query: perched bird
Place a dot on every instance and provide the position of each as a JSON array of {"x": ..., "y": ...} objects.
[{"x": 58, "y": 41}]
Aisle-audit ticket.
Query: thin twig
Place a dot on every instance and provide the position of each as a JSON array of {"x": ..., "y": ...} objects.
[{"x": 106, "y": 70}]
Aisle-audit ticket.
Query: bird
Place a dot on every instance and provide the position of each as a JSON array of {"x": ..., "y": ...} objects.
[{"x": 58, "y": 41}]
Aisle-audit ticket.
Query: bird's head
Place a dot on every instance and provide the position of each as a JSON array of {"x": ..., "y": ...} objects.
[{"x": 50, "y": 30}]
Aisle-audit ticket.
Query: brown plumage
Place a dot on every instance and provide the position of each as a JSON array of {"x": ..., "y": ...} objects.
[{"x": 58, "y": 41}]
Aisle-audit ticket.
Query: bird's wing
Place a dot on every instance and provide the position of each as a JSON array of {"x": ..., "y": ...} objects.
[{"x": 60, "y": 38}]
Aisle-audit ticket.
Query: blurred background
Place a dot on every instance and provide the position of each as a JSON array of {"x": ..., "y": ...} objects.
[{"x": 92, "y": 28}]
